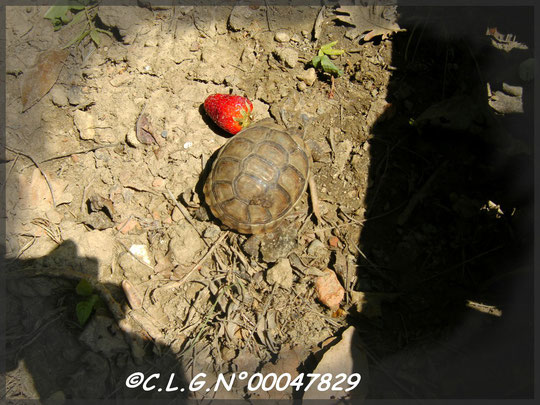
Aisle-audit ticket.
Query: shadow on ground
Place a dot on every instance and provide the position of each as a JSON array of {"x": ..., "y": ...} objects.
[
  {"x": 50, "y": 355},
  {"x": 450, "y": 213}
]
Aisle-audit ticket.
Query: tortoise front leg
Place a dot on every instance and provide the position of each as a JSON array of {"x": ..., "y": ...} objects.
[{"x": 314, "y": 199}]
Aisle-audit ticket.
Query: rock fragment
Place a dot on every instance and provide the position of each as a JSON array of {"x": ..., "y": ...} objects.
[
  {"x": 329, "y": 290},
  {"x": 281, "y": 273}
]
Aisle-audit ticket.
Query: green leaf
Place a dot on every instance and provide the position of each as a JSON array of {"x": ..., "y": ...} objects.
[
  {"x": 95, "y": 37},
  {"x": 327, "y": 49},
  {"x": 316, "y": 61},
  {"x": 329, "y": 67},
  {"x": 56, "y": 12},
  {"x": 78, "y": 17},
  {"x": 84, "y": 309},
  {"x": 84, "y": 288},
  {"x": 78, "y": 38}
]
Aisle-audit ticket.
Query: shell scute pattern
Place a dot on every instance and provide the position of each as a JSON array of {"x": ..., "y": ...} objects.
[{"x": 258, "y": 177}]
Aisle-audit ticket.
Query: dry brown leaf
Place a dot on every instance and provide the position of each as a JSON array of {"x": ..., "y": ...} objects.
[
  {"x": 145, "y": 130},
  {"x": 39, "y": 79},
  {"x": 370, "y": 20}
]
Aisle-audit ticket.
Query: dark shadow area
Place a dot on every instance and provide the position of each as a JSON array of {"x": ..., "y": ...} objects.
[
  {"x": 48, "y": 352},
  {"x": 449, "y": 231}
]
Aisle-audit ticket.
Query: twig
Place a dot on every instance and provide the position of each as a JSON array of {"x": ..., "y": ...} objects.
[
  {"x": 85, "y": 190},
  {"x": 198, "y": 265},
  {"x": 267, "y": 18},
  {"x": 331, "y": 94},
  {"x": 27, "y": 246},
  {"x": 79, "y": 152},
  {"x": 39, "y": 168},
  {"x": 184, "y": 212},
  {"x": 39, "y": 332},
  {"x": 9, "y": 171}
]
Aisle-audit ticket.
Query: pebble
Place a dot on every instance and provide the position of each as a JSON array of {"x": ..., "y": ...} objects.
[
  {"x": 85, "y": 124},
  {"x": 131, "y": 138},
  {"x": 315, "y": 247},
  {"x": 141, "y": 252},
  {"x": 212, "y": 232},
  {"x": 333, "y": 241},
  {"x": 288, "y": 56},
  {"x": 75, "y": 96},
  {"x": 251, "y": 246},
  {"x": 275, "y": 246},
  {"x": 308, "y": 76},
  {"x": 158, "y": 182},
  {"x": 59, "y": 96},
  {"x": 282, "y": 36},
  {"x": 301, "y": 86},
  {"x": 281, "y": 273},
  {"x": 329, "y": 290}
]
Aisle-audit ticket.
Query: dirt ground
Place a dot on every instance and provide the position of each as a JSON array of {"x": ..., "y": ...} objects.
[{"x": 423, "y": 162}]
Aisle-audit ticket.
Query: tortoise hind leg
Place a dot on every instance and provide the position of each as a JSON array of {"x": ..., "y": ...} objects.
[{"x": 314, "y": 199}]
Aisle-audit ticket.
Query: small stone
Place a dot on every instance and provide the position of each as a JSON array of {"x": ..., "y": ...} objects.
[
  {"x": 59, "y": 96},
  {"x": 211, "y": 232},
  {"x": 185, "y": 245},
  {"x": 84, "y": 122},
  {"x": 134, "y": 267},
  {"x": 288, "y": 56},
  {"x": 281, "y": 273},
  {"x": 75, "y": 96},
  {"x": 131, "y": 138},
  {"x": 333, "y": 241},
  {"x": 282, "y": 36},
  {"x": 296, "y": 38},
  {"x": 158, "y": 182},
  {"x": 308, "y": 76},
  {"x": 227, "y": 354},
  {"x": 251, "y": 246},
  {"x": 329, "y": 290},
  {"x": 301, "y": 86},
  {"x": 315, "y": 248},
  {"x": 105, "y": 135},
  {"x": 248, "y": 55},
  {"x": 128, "y": 225},
  {"x": 141, "y": 252},
  {"x": 278, "y": 245}
]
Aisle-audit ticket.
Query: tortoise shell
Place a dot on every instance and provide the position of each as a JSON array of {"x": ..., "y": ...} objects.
[{"x": 258, "y": 177}]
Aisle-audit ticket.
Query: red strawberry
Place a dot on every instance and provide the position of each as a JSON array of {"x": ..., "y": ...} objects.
[{"x": 232, "y": 113}]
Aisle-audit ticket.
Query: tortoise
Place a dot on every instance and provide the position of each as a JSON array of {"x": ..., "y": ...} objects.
[{"x": 258, "y": 177}]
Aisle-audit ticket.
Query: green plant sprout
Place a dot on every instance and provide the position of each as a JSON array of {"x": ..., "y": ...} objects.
[
  {"x": 323, "y": 62},
  {"x": 71, "y": 12},
  {"x": 91, "y": 301}
]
